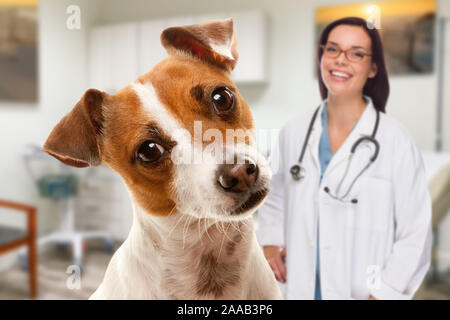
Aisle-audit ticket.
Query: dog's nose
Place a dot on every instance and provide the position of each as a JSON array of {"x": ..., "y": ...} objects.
[{"x": 237, "y": 177}]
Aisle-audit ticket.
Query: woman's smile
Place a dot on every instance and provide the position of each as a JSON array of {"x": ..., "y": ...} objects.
[{"x": 340, "y": 75}]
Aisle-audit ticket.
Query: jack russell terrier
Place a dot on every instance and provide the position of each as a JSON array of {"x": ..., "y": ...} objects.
[{"x": 192, "y": 235}]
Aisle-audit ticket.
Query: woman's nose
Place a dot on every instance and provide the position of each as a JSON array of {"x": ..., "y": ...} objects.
[{"x": 341, "y": 58}]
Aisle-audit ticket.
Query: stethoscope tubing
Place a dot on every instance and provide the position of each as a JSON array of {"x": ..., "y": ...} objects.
[{"x": 297, "y": 170}]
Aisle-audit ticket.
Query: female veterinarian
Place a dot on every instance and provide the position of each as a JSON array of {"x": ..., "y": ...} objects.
[{"x": 348, "y": 215}]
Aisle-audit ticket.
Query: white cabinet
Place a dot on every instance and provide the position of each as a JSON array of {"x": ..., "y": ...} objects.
[
  {"x": 151, "y": 50},
  {"x": 118, "y": 54},
  {"x": 100, "y": 61},
  {"x": 213, "y": 16},
  {"x": 125, "y": 55},
  {"x": 113, "y": 56},
  {"x": 251, "y": 33}
]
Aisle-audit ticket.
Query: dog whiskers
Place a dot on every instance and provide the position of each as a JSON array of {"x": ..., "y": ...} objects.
[
  {"x": 179, "y": 219},
  {"x": 172, "y": 211},
  {"x": 235, "y": 225},
  {"x": 206, "y": 231},
  {"x": 198, "y": 229},
  {"x": 226, "y": 233},
  {"x": 186, "y": 227},
  {"x": 220, "y": 250}
]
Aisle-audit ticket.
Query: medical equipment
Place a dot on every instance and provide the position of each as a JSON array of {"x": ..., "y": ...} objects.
[
  {"x": 298, "y": 171},
  {"x": 59, "y": 183}
]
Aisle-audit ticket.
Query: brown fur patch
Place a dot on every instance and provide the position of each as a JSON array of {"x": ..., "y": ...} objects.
[
  {"x": 175, "y": 79},
  {"x": 214, "y": 277},
  {"x": 197, "y": 93},
  {"x": 231, "y": 245}
]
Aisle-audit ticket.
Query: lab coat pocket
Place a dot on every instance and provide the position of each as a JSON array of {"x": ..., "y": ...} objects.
[{"x": 374, "y": 209}]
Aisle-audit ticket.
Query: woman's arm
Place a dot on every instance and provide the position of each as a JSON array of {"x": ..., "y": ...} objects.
[{"x": 410, "y": 258}]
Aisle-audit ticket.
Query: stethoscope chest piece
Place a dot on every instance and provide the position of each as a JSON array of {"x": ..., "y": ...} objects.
[{"x": 297, "y": 172}]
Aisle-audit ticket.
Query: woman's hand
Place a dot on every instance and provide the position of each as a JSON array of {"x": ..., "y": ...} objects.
[{"x": 275, "y": 255}]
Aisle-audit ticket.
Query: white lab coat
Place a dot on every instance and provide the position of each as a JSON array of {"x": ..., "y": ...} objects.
[{"x": 380, "y": 246}]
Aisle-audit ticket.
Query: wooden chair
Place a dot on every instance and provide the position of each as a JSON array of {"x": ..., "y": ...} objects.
[{"x": 12, "y": 238}]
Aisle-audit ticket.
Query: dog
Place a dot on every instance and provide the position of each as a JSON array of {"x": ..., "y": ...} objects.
[{"x": 192, "y": 235}]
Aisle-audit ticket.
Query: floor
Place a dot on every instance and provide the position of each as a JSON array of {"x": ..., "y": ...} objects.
[
  {"x": 433, "y": 292},
  {"x": 56, "y": 280},
  {"x": 56, "y": 284}
]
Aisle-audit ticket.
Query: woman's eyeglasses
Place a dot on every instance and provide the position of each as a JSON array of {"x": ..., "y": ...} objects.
[{"x": 353, "y": 54}]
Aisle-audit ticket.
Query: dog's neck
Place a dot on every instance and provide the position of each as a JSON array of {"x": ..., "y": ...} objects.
[
  {"x": 190, "y": 253},
  {"x": 180, "y": 232}
]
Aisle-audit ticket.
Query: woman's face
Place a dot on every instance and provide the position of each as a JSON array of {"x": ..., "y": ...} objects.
[{"x": 344, "y": 77}]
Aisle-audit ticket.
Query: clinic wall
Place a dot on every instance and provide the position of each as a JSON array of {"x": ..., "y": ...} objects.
[
  {"x": 445, "y": 11},
  {"x": 62, "y": 80},
  {"x": 444, "y": 237},
  {"x": 292, "y": 87}
]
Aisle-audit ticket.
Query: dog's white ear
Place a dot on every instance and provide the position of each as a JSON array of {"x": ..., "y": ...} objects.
[
  {"x": 75, "y": 139},
  {"x": 213, "y": 41}
]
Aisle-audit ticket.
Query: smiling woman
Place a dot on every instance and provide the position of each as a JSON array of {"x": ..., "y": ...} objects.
[{"x": 351, "y": 152}]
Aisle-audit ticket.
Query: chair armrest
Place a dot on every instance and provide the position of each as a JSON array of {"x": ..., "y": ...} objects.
[
  {"x": 16, "y": 206},
  {"x": 29, "y": 210}
]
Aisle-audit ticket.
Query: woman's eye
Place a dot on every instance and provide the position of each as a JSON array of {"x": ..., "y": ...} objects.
[
  {"x": 223, "y": 99},
  {"x": 150, "y": 151},
  {"x": 331, "y": 49},
  {"x": 357, "y": 54}
]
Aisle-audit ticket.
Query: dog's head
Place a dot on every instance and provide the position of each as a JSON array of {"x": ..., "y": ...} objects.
[{"x": 181, "y": 136}]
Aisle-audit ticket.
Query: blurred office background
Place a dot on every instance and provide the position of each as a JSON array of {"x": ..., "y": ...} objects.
[{"x": 83, "y": 215}]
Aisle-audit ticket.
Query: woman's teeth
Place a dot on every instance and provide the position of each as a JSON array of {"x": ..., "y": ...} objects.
[{"x": 340, "y": 74}]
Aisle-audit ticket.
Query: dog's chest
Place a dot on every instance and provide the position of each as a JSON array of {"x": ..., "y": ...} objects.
[{"x": 211, "y": 269}]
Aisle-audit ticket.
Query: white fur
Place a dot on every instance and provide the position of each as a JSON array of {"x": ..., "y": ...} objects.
[
  {"x": 223, "y": 49},
  {"x": 156, "y": 110},
  {"x": 160, "y": 260}
]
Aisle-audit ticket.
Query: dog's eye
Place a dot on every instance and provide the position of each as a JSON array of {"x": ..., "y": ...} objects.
[
  {"x": 150, "y": 151},
  {"x": 223, "y": 99}
]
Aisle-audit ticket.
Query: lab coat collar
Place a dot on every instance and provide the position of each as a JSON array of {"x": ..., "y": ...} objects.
[{"x": 364, "y": 127}]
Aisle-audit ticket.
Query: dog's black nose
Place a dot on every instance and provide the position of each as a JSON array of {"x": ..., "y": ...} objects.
[{"x": 237, "y": 177}]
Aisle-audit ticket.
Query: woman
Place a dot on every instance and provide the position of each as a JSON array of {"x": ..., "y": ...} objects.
[{"x": 350, "y": 228}]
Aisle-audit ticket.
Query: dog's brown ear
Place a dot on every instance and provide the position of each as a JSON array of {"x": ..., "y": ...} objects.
[
  {"x": 75, "y": 139},
  {"x": 212, "y": 41}
]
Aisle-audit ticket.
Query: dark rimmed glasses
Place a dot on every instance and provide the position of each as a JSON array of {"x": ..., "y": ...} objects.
[{"x": 352, "y": 54}]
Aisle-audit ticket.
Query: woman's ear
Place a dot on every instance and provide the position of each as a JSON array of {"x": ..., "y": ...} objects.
[{"x": 373, "y": 70}]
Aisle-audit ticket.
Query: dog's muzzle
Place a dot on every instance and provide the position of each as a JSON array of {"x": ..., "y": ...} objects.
[
  {"x": 240, "y": 181},
  {"x": 237, "y": 177}
]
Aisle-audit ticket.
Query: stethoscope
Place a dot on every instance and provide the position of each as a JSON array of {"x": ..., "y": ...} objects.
[{"x": 298, "y": 171}]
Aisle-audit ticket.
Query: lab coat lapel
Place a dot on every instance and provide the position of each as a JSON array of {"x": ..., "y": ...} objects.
[
  {"x": 314, "y": 139},
  {"x": 364, "y": 127}
]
